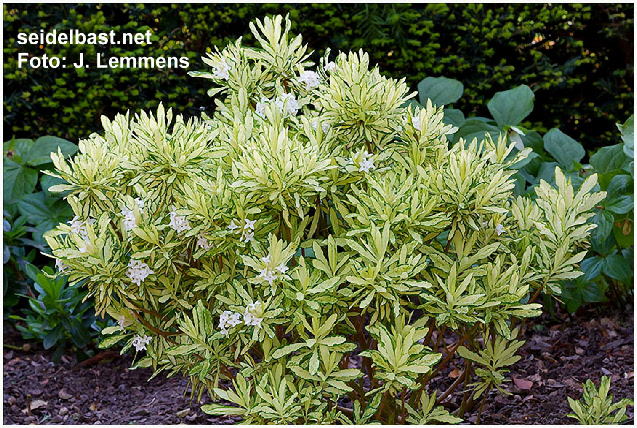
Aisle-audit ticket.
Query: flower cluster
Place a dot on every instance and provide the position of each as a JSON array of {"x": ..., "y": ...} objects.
[
  {"x": 228, "y": 320},
  {"x": 310, "y": 78},
  {"x": 247, "y": 230},
  {"x": 286, "y": 103},
  {"x": 367, "y": 164},
  {"x": 138, "y": 271},
  {"x": 250, "y": 316},
  {"x": 324, "y": 126},
  {"x": 269, "y": 273},
  {"x": 78, "y": 226},
  {"x": 140, "y": 342},
  {"x": 202, "y": 242},
  {"x": 178, "y": 222},
  {"x": 222, "y": 71}
]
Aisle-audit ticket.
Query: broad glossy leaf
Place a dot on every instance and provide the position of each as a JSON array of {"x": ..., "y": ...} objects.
[
  {"x": 608, "y": 159},
  {"x": 617, "y": 267},
  {"x": 440, "y": 90},
  {"x": 17, "y": 180},
  {"x": 512, "y": 106},
  {"x": 563, "y": 148},
  {"x": 40, "y": 154}
]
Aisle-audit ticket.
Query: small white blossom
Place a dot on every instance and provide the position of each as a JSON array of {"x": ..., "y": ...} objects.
[
  {"x": 121, "y": 320},
  {"x": 83, "y": 249},
  {"x": 178, "y": 222},
  {"x": 268, "y": 275},
  {"x": 260, "y": 108},
  {"x": 250, "y": 315},
  {"x": 249, "y": 224},
  {"x": 232, "y": 225},
  {"x": 140, "y": 203},
  {"x": 138, "y": 271},
  {"x": 330, "y": 66},
  {"x": 367, "y": 165},
  {"x": 222, "y": 71},
  {"x": 247, "y": 237},
  {"x": 282, "y": 268},
  {"x": 324, "y": 126},
  {"x": 60, "y": 265},
  {"x": 292, "y": 105},
  {"x": 79, "y": 226},
  {"x": 266, "y": 259},
  {"x": 202, "y": 242},
  {"x": 130, "y": 222},
  {"x": 310, "y": 78},
  {"x": 415, "y": 120},
  {"x": 499, "y": 229},
  {"x": 140, "y": 342},
  {"x": 227, "y": 320}
]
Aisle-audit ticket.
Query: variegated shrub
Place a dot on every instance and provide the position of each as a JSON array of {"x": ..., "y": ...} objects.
[{"x": 307, "y": 253}]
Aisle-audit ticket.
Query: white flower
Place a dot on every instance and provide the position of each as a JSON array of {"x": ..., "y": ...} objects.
[
  {"x": 232, "y": 225},
  {"x": 282, "y": 268},
  {"x": 140, "y": 203},
  {"x": 202, "y": 242},
  {"x": 249, "y": 224},
  {"x": 266, "y": 259},
  {"x": 59, "y": 264},
  {"x": 268, "y": 275},
  {"x": 250, "y": 315},
  {"x": 79, "y": 226},
  {"x": 367, "y": 165},
  {"x": 140, "y": 342},
  {"x": 310, "y": 78},
  {"x": 138, "y": 271},
  {"x": 222, "y": 71},
  {"x": 330, "y": 66},
  {"x": 227, "y": 320},
  {"x": 130, "y": 222},
  {"x": 292, "y": 105},
  {"x": 415, "y": 120},
  {"x": 247, "y": 237},
  {"x": 82, "y": 249},
  {"x": 324, "y": 126},
  {"x": 499, "y": 229},
  {"x": 121, "y": 320},
  {"x": 178, "y": 222},
  {"x": 260, "y": 108}
]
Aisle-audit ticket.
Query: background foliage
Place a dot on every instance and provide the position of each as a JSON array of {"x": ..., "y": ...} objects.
[{"x": 578, "y": 59}]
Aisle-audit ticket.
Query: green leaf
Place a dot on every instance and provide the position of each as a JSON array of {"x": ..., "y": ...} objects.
[
  {"x": 46, "y": 181},
  {"x": 617, "y": 267},
  {"x": 608, "y": 159},
  {"x": 592, "y": 267},
  {"x": 219, "y": 410},
  {"x": 17, "y": 180},
  {"x": 44, "y": 146},
  {"x": 619, "y": 197},
  {"x": 476, "y": 128},
  {"x": 110, "y": 341},
  {"x": 35, "y": 207},
  {"x": 453, "y": 117},
  {"x": 512, "y": 106},
  {"x": 563, "y": 148},
  {"x": 440, "y": 90},
  {"x": 281, "y": 352}
]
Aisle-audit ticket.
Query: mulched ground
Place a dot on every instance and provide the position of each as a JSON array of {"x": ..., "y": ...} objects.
[{"x": 556, "y": 359}]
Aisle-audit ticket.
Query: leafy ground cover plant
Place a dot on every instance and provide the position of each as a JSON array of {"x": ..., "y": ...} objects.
[
  {"x": 54, "y": 314},
  {"x": 314, "y": 242},
  {"x": 608, "y": 267},
  {"x": 596, "y": 407}
]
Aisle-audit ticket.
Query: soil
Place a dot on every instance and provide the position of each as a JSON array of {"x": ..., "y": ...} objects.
[{"x": 560, "y": 354}]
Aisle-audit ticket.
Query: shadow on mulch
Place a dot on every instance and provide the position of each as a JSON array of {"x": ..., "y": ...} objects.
[{"x": 556, "y": 360}]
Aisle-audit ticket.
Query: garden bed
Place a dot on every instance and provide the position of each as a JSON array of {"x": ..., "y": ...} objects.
[{"x": 559, "y": 355}]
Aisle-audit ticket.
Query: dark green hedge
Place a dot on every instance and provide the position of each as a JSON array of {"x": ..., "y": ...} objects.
[{"x": 578, "y": 59}]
